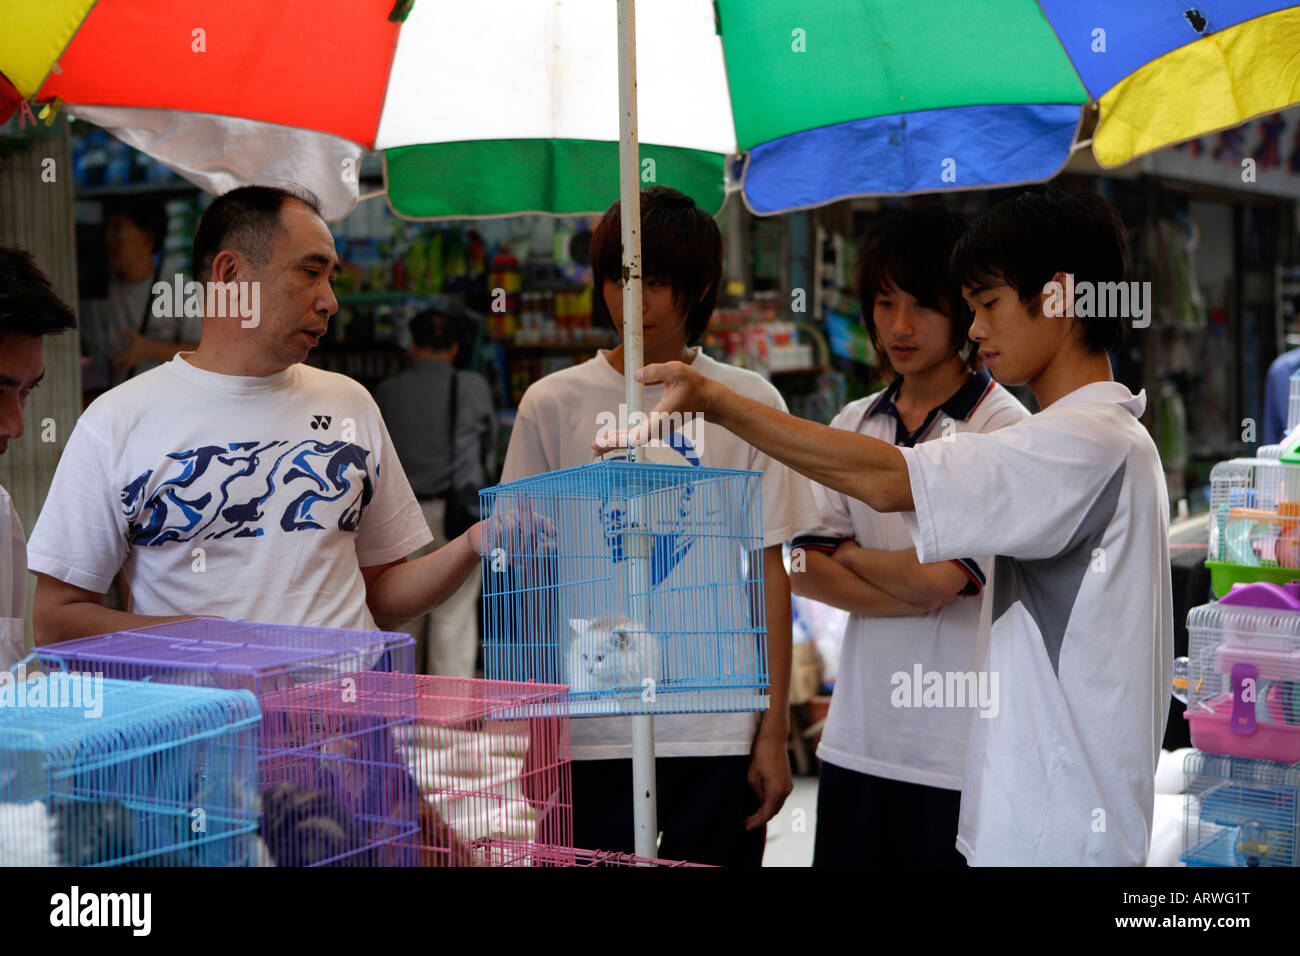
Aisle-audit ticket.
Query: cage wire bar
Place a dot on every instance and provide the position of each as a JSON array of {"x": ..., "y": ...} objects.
[
  {"x": 657, "y": 614},
  {"x": 1240, "y": 812},
  {"x": 493, "y": 764},
  {"x": 607, "y": 858},
  {"x": 161, "y": 776},
  {"x": 1232, "y": 648},
  {"x": 331, "y": 786},
  {"x": 1253, "y": 521}
]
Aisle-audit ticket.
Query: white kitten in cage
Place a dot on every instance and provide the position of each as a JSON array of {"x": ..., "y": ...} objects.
[{"x": 605, "y": 654}]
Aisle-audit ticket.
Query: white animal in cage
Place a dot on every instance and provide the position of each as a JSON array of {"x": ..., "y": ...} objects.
[
  {"x": 28, "y": 833},
  {"x": 605, "y": 654}
]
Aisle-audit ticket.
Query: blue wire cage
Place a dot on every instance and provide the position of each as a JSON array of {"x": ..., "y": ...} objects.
[
  {"x": 638, "y": 585},
  {"x": 111, "y": 773},
  {"x": 333, "y": 788},
  {"x": 1239, "y": 811}
]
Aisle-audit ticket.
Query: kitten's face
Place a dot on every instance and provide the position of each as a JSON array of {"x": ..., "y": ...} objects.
[{"x": 599, "y": 643}]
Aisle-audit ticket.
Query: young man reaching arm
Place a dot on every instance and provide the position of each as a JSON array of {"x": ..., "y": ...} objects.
[{"x": 1072, "y": 503}]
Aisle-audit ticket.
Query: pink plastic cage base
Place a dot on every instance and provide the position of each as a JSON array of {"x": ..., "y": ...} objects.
[
  {"x": 492, "y": 761},
  {"x": 1211, "y": 732}
]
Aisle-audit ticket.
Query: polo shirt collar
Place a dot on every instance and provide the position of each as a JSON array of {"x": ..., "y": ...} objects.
[
  {"x": 1105, "y": 392},
  {"x": 960, "y": 405}
]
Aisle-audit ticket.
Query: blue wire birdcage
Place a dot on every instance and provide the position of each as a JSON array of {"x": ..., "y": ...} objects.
[
  {"x": 639, "y": 585},
  {"x": 333, "y": 787},
  {"x": 1239, "y": 811},
  {"x": 126, "y": 773}
]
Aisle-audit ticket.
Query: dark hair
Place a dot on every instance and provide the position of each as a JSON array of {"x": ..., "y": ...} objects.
[
  {"x": 909, "y": 251},
  {"x": 245, "y": 219},
  {"x": 147, "y": 216},
  {"x": 680, "y": 243},
  {"x": 1027, "y": 239},
  {"x": 434, "y": 331},
  {"x": 28, "y": 303}
]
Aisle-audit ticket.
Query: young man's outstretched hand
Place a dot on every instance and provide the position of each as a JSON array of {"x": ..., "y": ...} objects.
[
  {"x": 685, "y": 390},
  {"x": 865, "y": 468}
]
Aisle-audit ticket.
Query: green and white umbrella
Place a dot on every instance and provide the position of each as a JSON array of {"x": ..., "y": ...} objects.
[{"x": 492, "y": 107}]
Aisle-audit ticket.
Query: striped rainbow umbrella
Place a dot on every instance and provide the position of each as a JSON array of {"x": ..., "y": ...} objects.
[{"x": 494, "y": 107}]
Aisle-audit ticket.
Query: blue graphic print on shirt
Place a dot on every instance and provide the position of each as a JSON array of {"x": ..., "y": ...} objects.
[
  {"x": 220, "y": 490},
  {"x": 667, "y": 548}
]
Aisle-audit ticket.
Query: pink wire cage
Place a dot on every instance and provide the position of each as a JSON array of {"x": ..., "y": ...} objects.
[{"x": 493, "y": 765}]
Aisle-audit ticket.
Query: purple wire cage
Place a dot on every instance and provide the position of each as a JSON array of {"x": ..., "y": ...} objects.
[{"x": 334, "y": 789}]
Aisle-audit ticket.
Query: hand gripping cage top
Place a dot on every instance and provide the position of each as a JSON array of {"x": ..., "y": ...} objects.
[
  {"x": 98, "y": 772},
  {"x": 638, "y": 585}
]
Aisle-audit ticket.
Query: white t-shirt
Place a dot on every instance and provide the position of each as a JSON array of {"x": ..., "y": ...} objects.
[
  {"x": 1073, "y": 502},
  {"x": 875, "y": 725},
  {"x": 558, "y": 418},
  {"x": 250, "y": 498},
  {"x": 13, "y": 583}
]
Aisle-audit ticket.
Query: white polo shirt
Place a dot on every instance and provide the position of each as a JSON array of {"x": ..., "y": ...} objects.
[
  {"x": 874, "y": 726},
  {"x": 1073, "y": 503}
]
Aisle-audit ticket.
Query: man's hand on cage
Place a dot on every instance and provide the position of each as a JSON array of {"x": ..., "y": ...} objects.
[{"x": 516, "y": 529}]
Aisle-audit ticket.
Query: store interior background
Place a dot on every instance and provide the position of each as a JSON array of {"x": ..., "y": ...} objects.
[{"x": 1221, "y": 252}]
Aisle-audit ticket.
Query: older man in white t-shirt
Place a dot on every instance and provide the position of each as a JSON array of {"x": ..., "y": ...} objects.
[
  {"x": 29, "y": 310},
  {"x": 236, "y": 481}
]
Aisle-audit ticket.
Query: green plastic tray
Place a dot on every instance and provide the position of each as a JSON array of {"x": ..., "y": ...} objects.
[{"x": 1224, "y": 575}]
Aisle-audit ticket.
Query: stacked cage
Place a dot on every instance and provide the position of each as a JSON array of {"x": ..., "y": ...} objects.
[
  {"x": 638, "y": 585},
  {"x": 492, "y": 762},
  {"x": 1243, "y": 673},
  {"x": 1241, "y": 678},
  {"x": 1240, "y": 812},
  {"x": 331, "y": 787},
  {"x": 1255, "y": 511},
  {"x": 97, "y": 772}
]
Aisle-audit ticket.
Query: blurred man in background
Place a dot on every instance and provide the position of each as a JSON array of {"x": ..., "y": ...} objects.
[
  {"x": 121, "y": 334},
  {"x": 443, "y": 425}
]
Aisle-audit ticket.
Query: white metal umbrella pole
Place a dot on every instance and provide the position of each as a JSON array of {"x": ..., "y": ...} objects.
[{"x": 629, "y": 167}]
